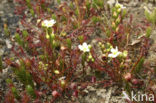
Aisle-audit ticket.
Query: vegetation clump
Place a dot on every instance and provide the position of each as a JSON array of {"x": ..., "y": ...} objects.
[{"x": 55, "y": 50}]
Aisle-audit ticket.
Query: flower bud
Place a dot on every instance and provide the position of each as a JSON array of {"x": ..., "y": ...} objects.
[
  {"x": 63, "y": 34},
  {"x": 99, "y": 43},
  {"x": 93, "y": 60},
  {"x": 75, "y": 93},
  {"x": 93, "y": 79},
  {"x": 52, "y": 36},
  {"x": 38, "y": 21},
  {"x": 57, "y": 62},
  {"x": 118, "y": 10},
  {"x": 90, "y": 57},
  {"x": 55, "y": 93},
  {"x": 47, "y": 36},
  {"x": 73, "y": 86},
  {"x": 102, "y": 46},
  {"x": 63, "y": 83},
  {"x": 56, "y": 72},
  {"x": 27, "y": 63},
  {"x": 125, "y": 53},
  {"x": 117, "y": 29},
  {"x": 63, "y": 48},
  {"x": 128, "y": 76},
  {"x": 134, "y": 81},
  {"x": 89, "y": 46}
]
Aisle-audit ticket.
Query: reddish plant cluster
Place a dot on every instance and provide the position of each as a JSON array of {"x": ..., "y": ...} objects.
[{"x": 52, "y": 51}]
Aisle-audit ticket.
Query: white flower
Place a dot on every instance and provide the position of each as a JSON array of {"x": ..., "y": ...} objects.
[
  {"x": 84, "y": 47},
  {"x": 48, "y": 23},
  {"x": 114, "y": 53},
  {"x": 119, "y": 5}
]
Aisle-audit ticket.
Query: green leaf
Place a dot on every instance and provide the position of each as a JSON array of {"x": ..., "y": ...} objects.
[
  {"x": 63, "y": 18},
  {"x": 68, "y": 43},
  {"x": 147, "y": 15},
  {"x": 128, "y": 88},
  {"x": 32, "y": 12},
  {"x": 95, "y": 19},
  {"x": 154, "y": 16},
  {"x": 59, "y": 1},
  {"x": 81, "y": 38},
  {"x": 99, "y": 3},
  {"x": 148, "y": 32},
  {"x": 6, "y": 31},
  {"x": 18, "y": 39},
  {"x": 28, "y": 1},
  {"x": 88, "y": 4},
  {"x": 71, "y": 5},
  {"x": 124, "y": 12},
  {"x": 139, "y": 65},
  {"x": 30, "y": 91},
  {"x": 84, "y": 57},
  {"x": 29, "y": 79},
  {"x": 23, "y": 75},
  {"x": 108, "y": 32},
  {"x": 15, "y": 92},
  {"x": 9, "y": 81},
  {"x": 25, "y": 33},
  {"x": 77, "y": 12},
  {"x": 54, "y": 16}
]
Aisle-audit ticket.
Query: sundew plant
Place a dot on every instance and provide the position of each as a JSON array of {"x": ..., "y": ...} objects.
[{"x": 63, "y": 46}]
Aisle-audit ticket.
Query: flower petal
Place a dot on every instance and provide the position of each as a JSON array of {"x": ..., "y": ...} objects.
[
  {"x": 113, "y": 50},
  {"x": 85, "y": 44},
  {"x": 87, "y": 50},
  {"x": 80, "y": 47},
  {"x": 110, "y": 55}
]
